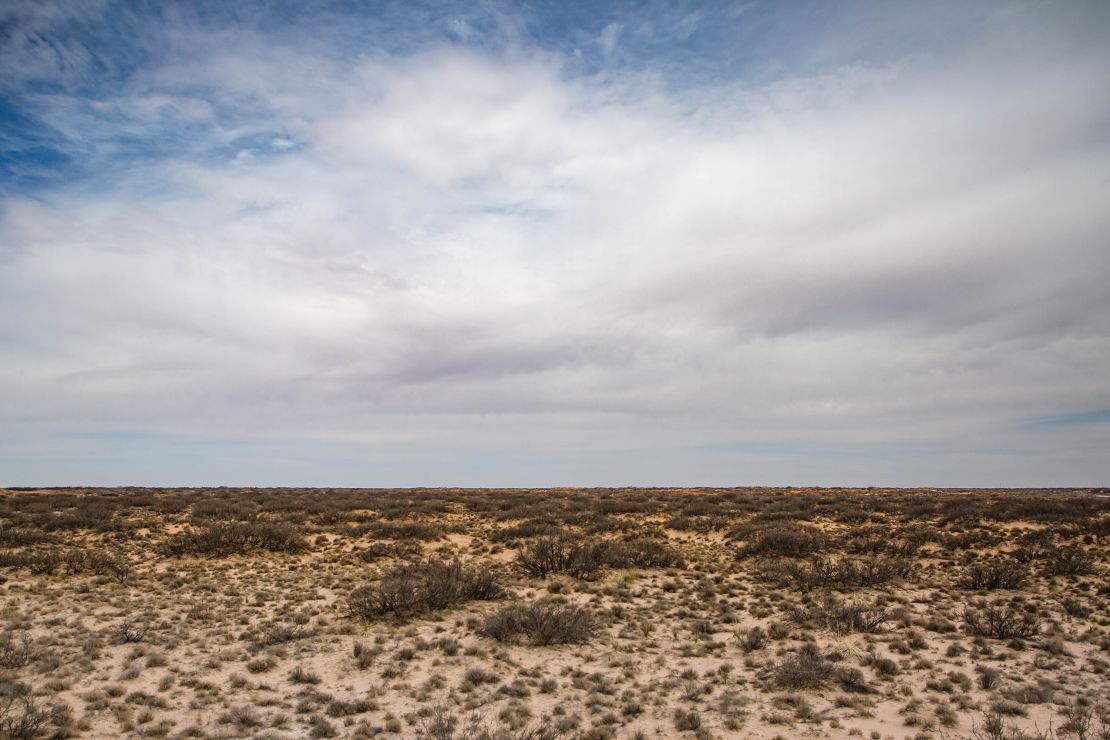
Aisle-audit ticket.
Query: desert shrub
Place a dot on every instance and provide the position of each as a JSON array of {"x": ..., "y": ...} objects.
[
  {"x": 16, "y": 653},
  {"x": 96, "y": 562},
  {"x": 575, "y": 557},
  {"x": 797, "y": 542},
  {"x": 424, "y": 531},
  {"x": 419, "y": 587},
  {"x": 881, "y": 541},
  {"x": 542, "y": 622},
  {"x": 21, "y": 717},
  {"x": 686, "y": 720},
  {"x": 965, "y": 540},
  {"x": 1067, "y": 561},
  {"x": 380, "y": 550},
  {"x": 843, "y": 574},
  {"x": 995, "y": 574},
  {"x": 300, "y": 674},
  {"x": 526, "y": 529},
  {"x": 47, "y": 562},
  {"x": 806, "y": 669},
  {"x": 277, "y": 634},
  {"x": 222, "y": 510},
  {"x": 642, "y": 553},
  {"x": 15, "y": 537},
  {"x": 221, "y": 540},
  {"x": 754, "y": 639},
  {"x": 1001, "y": 621},
  {"x": 39, "y": 562},
  {"x": 841, "y": 617}
]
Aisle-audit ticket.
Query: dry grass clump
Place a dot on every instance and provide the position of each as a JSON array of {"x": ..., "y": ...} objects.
[
  {"x": 412, "y": 589},
  {"x": 543, "y": 622}
]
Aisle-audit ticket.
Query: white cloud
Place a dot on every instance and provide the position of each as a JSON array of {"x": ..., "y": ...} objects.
[{"x": 456, "y": 250}]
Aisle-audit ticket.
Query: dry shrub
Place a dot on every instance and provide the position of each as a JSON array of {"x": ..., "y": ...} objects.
[
  {"x": 796, "y": 542},
  {"x": 221, "y": 540},
  {"x": 526, "y": 529},
  {"x": 420, "y": 587},
  {"x": 1001, "y": 621},
  {"x": 15, "y": 537},
  {"x": 1067, "y": 561},
  {"x": 423, "y": 531},
  {"x": 16, "y": 653},
  {"x": 995, "y": 574},
  {"x": 808, "y": 669},
  {"x": 543, "y": 622},
  {"x": 843, "y": 574},
  {"x": 575, "y": 557},
  {"x": 75, "y": 562},
  {"x": 841, "y": 617},
  {"x": 642, "y": 553}
]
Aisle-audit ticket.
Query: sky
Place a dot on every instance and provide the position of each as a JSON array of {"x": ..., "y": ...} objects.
[{"x": 554, "y": 243}]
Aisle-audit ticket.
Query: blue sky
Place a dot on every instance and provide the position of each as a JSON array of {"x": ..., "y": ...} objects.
[{"x": 554, "y": 243}]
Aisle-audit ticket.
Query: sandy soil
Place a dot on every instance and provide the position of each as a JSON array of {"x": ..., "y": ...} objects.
[{"x": 737, "y": 614}]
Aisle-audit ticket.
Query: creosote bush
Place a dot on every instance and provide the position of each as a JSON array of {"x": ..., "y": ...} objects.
[
  {"x": 543, "y": 622},
  {"x": 414, "y": 588}
]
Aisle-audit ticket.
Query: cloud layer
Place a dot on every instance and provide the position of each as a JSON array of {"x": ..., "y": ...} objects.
[{"x": 436, "y": 246}]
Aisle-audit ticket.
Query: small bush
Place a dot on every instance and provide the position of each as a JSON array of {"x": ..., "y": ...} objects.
[
  {"x": 1067, "y": 561},
  {"x": 415, "y": 588},
  {"x": 221, "y": 540},
  {"x": 524, "y": 530},
  {"x": 686, "y": 720},
  {"x": 13, "y": 537},
  {"x": 542, "y": 622},
  {"x": 996, "y": 574},
  {"x": 784, "y": 543},
  {"x": 301, "y": 675},
  {"x": 1001, "y": 621},
  {"x": 841, "y": 617},
  {"x": 577, "y": 558},
  {"x": 843, "y": 574},
  {"x": 405, "y": 531},
  {"x": 16, "y": 653},
  {"x": 642, "y": 553},
  {"x": 807, "y": 669}
]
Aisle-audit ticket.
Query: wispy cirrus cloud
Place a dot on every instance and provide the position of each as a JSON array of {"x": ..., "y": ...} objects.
[{"x": 527, "y": 248}]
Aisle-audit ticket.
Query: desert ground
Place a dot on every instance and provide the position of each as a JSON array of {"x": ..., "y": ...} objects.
[{"x": 577, "y": 613}]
